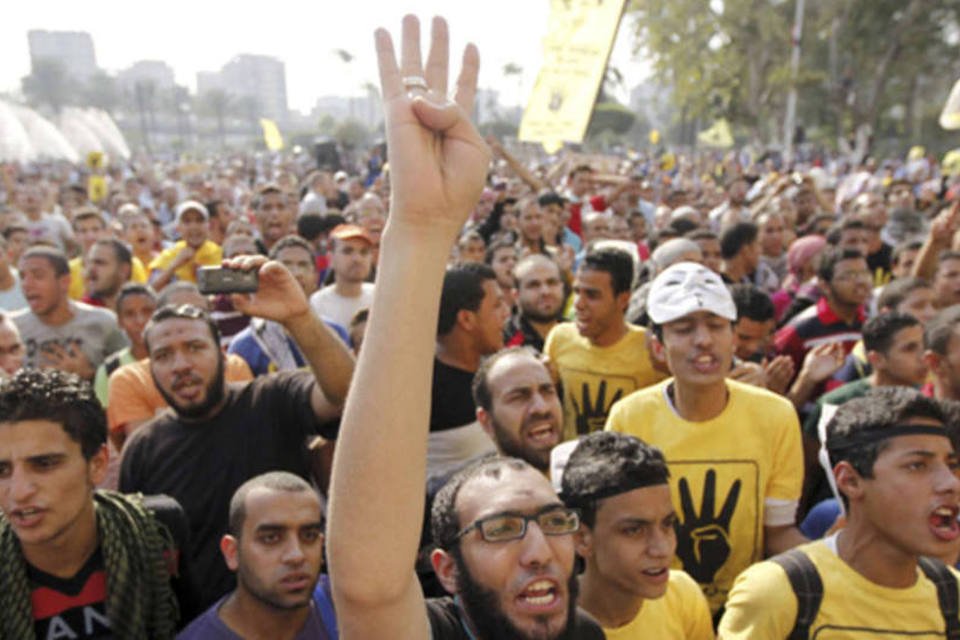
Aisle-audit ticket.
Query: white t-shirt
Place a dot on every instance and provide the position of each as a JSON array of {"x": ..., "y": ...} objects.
[
  {"x": 332, "y": 306},
  {"x": 12, "y": 299},
  {"x": 51, "y": 227}
]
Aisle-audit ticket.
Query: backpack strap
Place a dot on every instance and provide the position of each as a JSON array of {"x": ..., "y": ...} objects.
[
  {"x": 807, "y": 586},
  {"x": 940, "y": 575},
  {"x": 111, "y": 364}
]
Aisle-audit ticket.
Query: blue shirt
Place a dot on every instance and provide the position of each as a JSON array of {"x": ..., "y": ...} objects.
[{"x": 320, "y": 625}]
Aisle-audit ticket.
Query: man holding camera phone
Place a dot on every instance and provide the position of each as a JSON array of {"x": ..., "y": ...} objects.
[{"x": 219, "y": 435}]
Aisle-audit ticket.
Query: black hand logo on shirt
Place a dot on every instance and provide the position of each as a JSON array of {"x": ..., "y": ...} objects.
[
  {"x": 703, "y": 539},
  {"x": 592, "y": 415}
]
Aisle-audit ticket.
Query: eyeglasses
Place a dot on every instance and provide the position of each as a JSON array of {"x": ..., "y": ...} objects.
[
  {"x": 503, "y": 527},
  {"x": 854, "y": 275}
]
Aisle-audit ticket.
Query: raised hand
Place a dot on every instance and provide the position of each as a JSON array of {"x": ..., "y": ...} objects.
[
  {"x": 66, "y": 357},
  {"x": 823, "y": 361},
  {"x": 279, "y": 296},
  {"x": 780, "y": 372},
  {"x": 438, "y": 161}
]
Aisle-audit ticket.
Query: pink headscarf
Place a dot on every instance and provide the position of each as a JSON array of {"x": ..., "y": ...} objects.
[{"x": 800, "y": 253}]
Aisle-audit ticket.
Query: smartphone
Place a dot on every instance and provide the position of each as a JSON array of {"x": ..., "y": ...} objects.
[{"x": 211, "y": 280}]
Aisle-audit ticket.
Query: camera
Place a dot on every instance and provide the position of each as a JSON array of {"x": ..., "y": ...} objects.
[{"x": 212, "y": 280}]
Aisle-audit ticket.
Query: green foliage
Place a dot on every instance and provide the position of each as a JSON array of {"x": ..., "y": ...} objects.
[
  {"x": 49, "y": 85},
  {"x": 610, "y": 117},
  {"x": 731, "y": 58},
  {"x": 499, "y": 129},
  {"x": 351, "y": 133}
]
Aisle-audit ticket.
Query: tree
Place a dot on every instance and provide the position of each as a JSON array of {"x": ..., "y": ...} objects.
[
  {"x": 219, "y": 104},
  {"x": 49, "y": 85},
  {"x": 859, "y": 58},
  {"x": 612, "y": 117},
  {"x": 101, "y": 91},
  {"x": 351, "y": 133}
]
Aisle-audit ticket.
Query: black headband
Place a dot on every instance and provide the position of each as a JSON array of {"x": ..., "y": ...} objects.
[{"x": 870, "y": 436}]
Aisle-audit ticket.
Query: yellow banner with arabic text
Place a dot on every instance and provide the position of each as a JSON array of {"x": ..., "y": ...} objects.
[{"x": 580, "y": 36}]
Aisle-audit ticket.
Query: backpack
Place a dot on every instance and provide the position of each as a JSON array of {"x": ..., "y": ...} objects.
[{"x": 808, "y": 588}]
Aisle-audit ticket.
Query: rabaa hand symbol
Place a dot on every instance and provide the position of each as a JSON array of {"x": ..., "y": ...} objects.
[
  {"x": 438, "y": 161},
  {"x": 592, "y": 413},
  {"x": 703, "y": 539}
]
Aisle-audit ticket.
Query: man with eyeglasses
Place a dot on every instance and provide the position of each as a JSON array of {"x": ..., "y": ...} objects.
[
  {"x": 505, "y": 545},
  {"x": 838, "y": 316}
]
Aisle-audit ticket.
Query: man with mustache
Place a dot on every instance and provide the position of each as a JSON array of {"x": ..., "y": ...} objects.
[
  {"x": 504, "y": 540},
  {"x": 518, "y": 405},
  {"x": 218, "y": 435}
]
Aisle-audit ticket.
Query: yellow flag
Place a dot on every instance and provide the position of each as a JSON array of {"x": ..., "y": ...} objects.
[
  {"x": 951, "y": 163},
  {"x": 950, "y": 116},
  {"x": 271, "y": 134},
  {"x": 717, "y": 136},
  {"x": 654, "y": 137},
  {"x": 579, "y": 38},
  {"x": 96, "y": 188},
  {"x": 95, "y": 160}
]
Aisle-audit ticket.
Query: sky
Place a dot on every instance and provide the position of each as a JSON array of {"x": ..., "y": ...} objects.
[{"x": 201, "y": 36}]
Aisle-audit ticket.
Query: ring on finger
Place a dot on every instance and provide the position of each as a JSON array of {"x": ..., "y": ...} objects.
[{"x": 415, "y": 82}]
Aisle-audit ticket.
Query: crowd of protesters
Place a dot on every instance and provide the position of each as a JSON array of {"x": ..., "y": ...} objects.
[{"x": 716, "y": 379}]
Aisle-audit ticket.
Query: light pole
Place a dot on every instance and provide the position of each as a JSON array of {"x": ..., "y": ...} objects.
[{"x": 789, "y": 123}]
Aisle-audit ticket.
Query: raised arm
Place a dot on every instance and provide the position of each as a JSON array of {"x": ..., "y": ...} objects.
[
  {"x": 281, "y": 299},
  {"x": 942, "y": 230},
  {"x": 437, "y": 163}
]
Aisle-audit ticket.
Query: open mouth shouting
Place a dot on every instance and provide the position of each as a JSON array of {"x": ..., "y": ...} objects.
[{"x": 943, "y": 523}]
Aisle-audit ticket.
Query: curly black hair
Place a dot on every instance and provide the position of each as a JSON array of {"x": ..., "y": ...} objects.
[
  {"x": 55, "y": 396},
  {"x": 607, "y": 463}
]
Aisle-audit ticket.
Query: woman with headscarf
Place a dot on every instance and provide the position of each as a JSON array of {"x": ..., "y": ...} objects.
[{"x": 799, "y": 289}]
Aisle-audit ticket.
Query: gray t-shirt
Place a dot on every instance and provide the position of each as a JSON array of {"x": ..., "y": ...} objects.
[{"x": 92, "y": 329}]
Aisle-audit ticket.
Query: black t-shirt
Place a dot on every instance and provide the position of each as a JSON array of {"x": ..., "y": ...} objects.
[
  {"x": 452, "y": 400},
  {"x": 76, "y": 607},
  {"x": 446, "y": 623},
  {"x": 263, "y": 427}
]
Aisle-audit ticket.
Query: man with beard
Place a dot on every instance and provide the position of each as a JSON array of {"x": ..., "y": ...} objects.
[
  {"x": 540, "y": 300},
  {"x": 218, "y": 436},
  {"x": 505, "y": 543},
  {"x": 275, "y": 546},
  {"x": 518, "y": 405},
  {"x": 132, "y": 395}
]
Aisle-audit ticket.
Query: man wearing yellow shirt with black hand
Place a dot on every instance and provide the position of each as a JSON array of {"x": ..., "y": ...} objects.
[
  {"x": 599, "y": 357},
  {"x": 192, "y": 251},
  {"x": 627, "y": 540},
  {"x": 894, "y": 465},
  {"x": 734, "y": 449}
]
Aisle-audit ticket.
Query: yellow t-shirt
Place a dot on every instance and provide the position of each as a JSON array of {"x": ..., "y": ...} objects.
[
  {"x": 138, "y": 274},
  {"x": 595, "y": 377},
  {"x": 762, "y": 604},
  {"x": 208, "y": 255},
  {"x": 729, "y": 476},
  {"x": 681, "y": 614}
]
